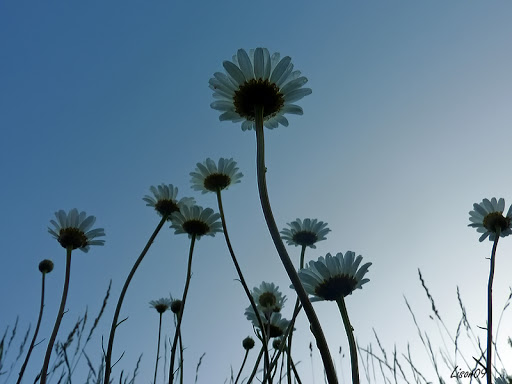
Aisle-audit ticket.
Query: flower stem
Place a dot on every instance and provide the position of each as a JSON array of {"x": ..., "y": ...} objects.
[
  {"x": 242, "y": 367},
  {"x": 295, "y": 313},
  {"x": 60, "y": 314},
  {"x": 180, "y": 314},
  {"x": 316, "y": 329},
  {"x": 489, "y": 309},
  {"x": 158, "y": 346},
  {"x": 256, "y": 364},
  {"x": 108, "y": 356},
  {"x": 239, "y": 271},
  {"x": 24, "y": 366},
  {"x": 351, "y": 340}
]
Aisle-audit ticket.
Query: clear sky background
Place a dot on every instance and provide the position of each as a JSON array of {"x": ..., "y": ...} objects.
[{"x": 408, "y": 125}]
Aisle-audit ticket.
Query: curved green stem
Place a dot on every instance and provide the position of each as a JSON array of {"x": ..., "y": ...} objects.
[
  {"x": 24, "y": 366},
  {"x": 60, "y": 314},
  {"x": 351, "y": 340},
  {"x": 489, "y": 309},
  {"x": 239, "y": 270},
  {"x": 180, "y": 314},
  {"x": 292, "y": 322},
  {"x": 256, "y": 364},
  {"x": 158, "y": 346},
  {"x": 242, "y": 367},
  {"x": 316, "y": 329},
  {"x": 108, "y": 356}
]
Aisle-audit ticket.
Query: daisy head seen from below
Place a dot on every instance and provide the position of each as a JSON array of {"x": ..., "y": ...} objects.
[
  {"x": 334, "y": 277},
  {"x": 257, "y": 79},
  {"x": 73, "y": 230}
]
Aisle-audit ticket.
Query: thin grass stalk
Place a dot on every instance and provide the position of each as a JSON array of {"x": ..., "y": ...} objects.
[
  {"x": 108, "y": 356},
  {"x": 283, "y": 254},
  {"x": 60, "y": 315}
]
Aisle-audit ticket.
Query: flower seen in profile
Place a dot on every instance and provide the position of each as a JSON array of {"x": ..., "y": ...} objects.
[
  {"x": 212, "y": 177},
  {"x": 334, "y": 277},
  {"x": 258, "y": 79},
  {"x": 268, "y": 298},
  {"x": 305, "y": 233},
  {"x": 73, "y": 230},
  {"x": 487, "y": 217},
  {"x": 196, "y": 221},
  {"x": 161, "y": 305},
  {"x": 277, "y": 324},
  {"x": 165, "y": 201}
]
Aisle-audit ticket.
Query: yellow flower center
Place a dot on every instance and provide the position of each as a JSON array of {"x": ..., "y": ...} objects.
[
  {"x": 166, "y": 207},
  {"x": 267, "y": 300},
  {"x": 305, "y": 238},
  {"x": 336, "y": 287},
  {"x": 495, "y": 221},
  {"x": 196, "y": 227},
  {"x": 72, "y": 238},
  {"x": 216, "y": 181},
  {"x": 254, "y": 93}
]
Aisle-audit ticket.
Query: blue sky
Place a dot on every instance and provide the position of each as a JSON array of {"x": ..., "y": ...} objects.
[{"x": 408, "y": 125}]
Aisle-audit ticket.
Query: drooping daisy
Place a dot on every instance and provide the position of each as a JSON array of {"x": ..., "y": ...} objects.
[
  {"x": 210, "y": 177},
  {"x": 73, "y": 230},
  {"x": 487, "y": 217},
  {"x": 161, "y": 305},
  {"x": 305, "y": 233},
  {"x": 277, "y": 324},
  {"x": 196, "y": 221},
  {"x": 258, "y": 79},
  {"x": 268, "y": 298},
  {"x": 334, "y": 277},
  {"x": 165, "y": 201}
]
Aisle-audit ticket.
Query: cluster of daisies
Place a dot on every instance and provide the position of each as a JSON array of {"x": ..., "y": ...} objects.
[{"x": 258, "y": 88}]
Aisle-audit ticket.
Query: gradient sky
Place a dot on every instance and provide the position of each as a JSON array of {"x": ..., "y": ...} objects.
[{"x": 408, "y": 125}]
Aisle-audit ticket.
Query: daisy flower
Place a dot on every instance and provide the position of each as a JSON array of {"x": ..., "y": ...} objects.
[
  {"x": 267, "y": 297},
  {"x": 165, "y": 201},
  {"x": 305, "y": 233},
  {"x": 277, "y": 324},
  {"x": 487, "y": 217},
  {"x": 73, "y": 230},
  {"x": 196, "y": 221},
  {"x": 161, "y": 305},
  {"x": 211, "y": 177},
  {"x": 258, "y": 79},
  {"x": 334, "y": 277},
  {"x": 46, "y": 266}
]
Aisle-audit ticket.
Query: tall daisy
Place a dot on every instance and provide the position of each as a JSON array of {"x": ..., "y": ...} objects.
[
  {"x": 258, "y": 78},
  {"x": 333, "y": 278},
  {"x": 259, "y": 89},
  {"x": 487, "y": 217},
  {"x": 195, "y": 221},
  {"x": 165, "y": 201},
  {"x": 73, "y": 231}
]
